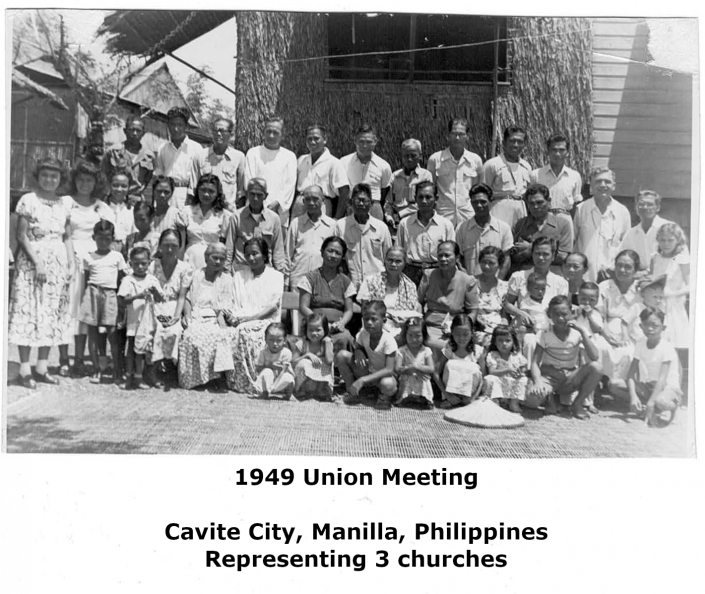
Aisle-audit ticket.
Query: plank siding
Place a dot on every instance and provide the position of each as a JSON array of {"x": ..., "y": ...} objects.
[{"x": 643, "y": 116}]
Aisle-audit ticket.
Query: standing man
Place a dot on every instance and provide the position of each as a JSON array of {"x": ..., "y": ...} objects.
[
  {"x": 367, "y": 238},
  {"x": 600, "y": 225},
  {"x": 482, "y": 230},
  {"x": 222, "y": 160},
  {"x": 364, "y": 166},
  {"x": 254, "y": 220},
  {"x": 455, "y": 170},
  {"x": 277, "y": 166},
  {"x": 401, "y": 201},
  {"x": 642, "y": 237},
  {"x": 320, "y": 168},
  {"x": 421, "y": 233},
  {"x": 564, "y": 183},
  {"x": 508, "y": 176},
  {"x": 541, "y": 222},
  {"x": 175, "y": 157},
  {"x": 133, "y": 157},
  {"x": 305, "y": 236}
]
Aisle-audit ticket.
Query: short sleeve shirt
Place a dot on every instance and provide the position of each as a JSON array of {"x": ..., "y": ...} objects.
[
  {"x": 327, "y": 172},
  {"x": 103, "y": 269},
  {"x": 376, "y": 172},
  {"x": 327, "y": 294},
  {"x": 561, "y": 354},
  {"x": 650, "y": 361},
  {"x": 377, "y": 357},
  {"x": 472, "y": 238}
]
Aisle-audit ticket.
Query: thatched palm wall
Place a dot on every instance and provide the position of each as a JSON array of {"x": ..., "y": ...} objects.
[{"x": 269, "y": 81}]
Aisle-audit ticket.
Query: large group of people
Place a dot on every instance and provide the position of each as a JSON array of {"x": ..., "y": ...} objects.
[{"x": 446, "y": 282}]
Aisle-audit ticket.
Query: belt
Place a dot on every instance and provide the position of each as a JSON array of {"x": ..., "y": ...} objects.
[{"x": 423, "y": 265}]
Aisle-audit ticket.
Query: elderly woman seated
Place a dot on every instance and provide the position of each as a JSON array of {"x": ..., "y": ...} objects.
[
  {"x": 446, "y": 292},
  {"x": 256, "y": 302},
  {"x": 395, "y": 289},
  {"x": 204, "y": 349}
]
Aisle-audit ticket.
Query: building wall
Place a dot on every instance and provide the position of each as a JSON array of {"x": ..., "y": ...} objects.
[{"x": 643, "y": 117}]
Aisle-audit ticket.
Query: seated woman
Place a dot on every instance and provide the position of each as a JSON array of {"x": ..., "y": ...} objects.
[
  {"x": 329, "y": 292},
  {"x": 174, "y": 276},
  {"x": 256, "y": 294},
  {"x": 204, "y": 349},
  {"x": 206, "y": 219},
  {"x": 492, "y": 291},
  {"x": 446, "y": 292},
  {"x": 397, "y": 291}
]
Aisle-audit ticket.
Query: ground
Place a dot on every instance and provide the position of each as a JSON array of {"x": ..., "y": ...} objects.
[{"x": 79, "y": 417}]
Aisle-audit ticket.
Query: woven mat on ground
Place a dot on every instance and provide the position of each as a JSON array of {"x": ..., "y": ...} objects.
[{"x": 80, "y": 417}]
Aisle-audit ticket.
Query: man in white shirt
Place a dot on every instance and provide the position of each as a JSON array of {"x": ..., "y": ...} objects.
[
  {"x": 224, "y": 161},
  {"x": 455, "y": 170},
  {"x": 564, "y": 183},
  {"x": 508, "y": 176},
  {"x": 277, "y": 166},
  {"x": 367, "y": 167},
  {"x": 320, "y": 168},
  {"x": 174, "y": 158},
  {"x": 600, "y": 225},
  {"x": 642, "y": 237}
]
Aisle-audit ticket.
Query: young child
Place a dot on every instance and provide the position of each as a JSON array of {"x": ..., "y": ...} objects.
[
  {"x": 370, "y": 367},
  {"x": 653, "y": 379},
  {"x": 652, "y": 294},
  {"x": 532, "y": 304},
  {"x": 556, "y": 367},
  {"x": 457, "y": 374},
  {"x": 274, "y": 374},
  {"x": 135, "y": 291},
  {"x": 414, "y": 366},
  {"x": 401, "y": 201},
  {"x": 142, "y": 215},
  {"x": 313, "y": 360},
  {"x": 507, "y": 367},
  {"x": 124, "y": 223},
  {"x": 673, "y": 262},
  {"x": 103, "y": 269}
]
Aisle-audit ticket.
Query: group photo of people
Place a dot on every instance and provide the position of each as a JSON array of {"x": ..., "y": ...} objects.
[{"x": 421, "y": 279}]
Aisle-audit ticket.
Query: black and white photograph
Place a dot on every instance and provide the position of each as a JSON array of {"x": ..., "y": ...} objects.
[{"x": 388, "y": 235}]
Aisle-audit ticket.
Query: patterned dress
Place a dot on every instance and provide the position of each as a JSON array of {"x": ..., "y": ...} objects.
[
  {"x": 509, "y": 387},
  {"x": 39, "y": 313},
  {"x": 308, "y": 370},
  {"x": 678, "y": 331},
  {"x": 166, "y": 339},
  {"x": 414, "y": 384}
]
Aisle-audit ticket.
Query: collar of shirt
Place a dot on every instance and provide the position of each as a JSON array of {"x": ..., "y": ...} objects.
[
  {"x": 492, "y": 224},
  {"x": 610, "y": 211},
  {"x": 551, "y": 220},
  {"x": 373, "y": 160},
  {"x": 446, "y": 154},
  {"x": 521, "y": 163},
  {"x": 229, "y": 153},
  {"x": 325, "y": 155},
  {"x": 321, "y": 220},
  {"x": 415, "y": 173},
  {"x": 372, "y": 223},
  {"x": 549, "y": 171},
  {"x": 185, "y": 144},
  {"x": 657, "y": 222},
  {"x": 415, "y": 219},
  {"x": 266, "y": 213}
]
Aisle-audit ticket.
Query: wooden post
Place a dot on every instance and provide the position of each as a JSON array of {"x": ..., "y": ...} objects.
[{"x": 495, "y": 90}]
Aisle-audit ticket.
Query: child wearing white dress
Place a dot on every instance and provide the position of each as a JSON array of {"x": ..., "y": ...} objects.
[
  {"x": 414, "y": 366},
  {"x": 507, "y": 369},
  {"x": 458, "y": 375},
  {"x": 274, "y": 373},
  {"x": 313, "y": 360},
  {"x": 673, "y": 262}
]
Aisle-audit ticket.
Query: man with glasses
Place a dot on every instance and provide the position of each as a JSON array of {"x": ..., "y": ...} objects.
[
  {"x": 455, "y": 170},
  {"x": 367, "y": 167},
  {"x": 642, "y": 237},
  {"x": 175, "y": 157},
  {"x": 224, "y": 161}
]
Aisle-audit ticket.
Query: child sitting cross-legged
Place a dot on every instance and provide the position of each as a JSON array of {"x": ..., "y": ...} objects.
[
  {"x": 370, "y": 368},
  {"x": 313, "y": 360},
  {"x": 414, "y": 366},
  {"x": 557, "y": 368},
  {"x": 653, "y": 379},
  {"x": 274, "y": 374},
  {"x": 507, "y": 368}
]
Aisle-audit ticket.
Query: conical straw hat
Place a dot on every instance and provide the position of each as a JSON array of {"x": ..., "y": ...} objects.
[{"x": 484, "y": 413}]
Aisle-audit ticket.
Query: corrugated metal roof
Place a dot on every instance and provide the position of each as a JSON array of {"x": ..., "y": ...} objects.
[{"x": 155, "y": 32}]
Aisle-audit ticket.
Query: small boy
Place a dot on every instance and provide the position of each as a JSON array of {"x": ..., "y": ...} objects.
[
  {"x": 652, "y": 294},
  {"x": 142, "y": 214},
  {"x": 135, "y": 291},
  {"x": 556, "y": 367},
  {"x": 653, "y": 379},
  {"x": 532, "y": 304},
  {"x": 371, "y": 365},
  {"x": 402, "y": 200},
  {"x": 274, "y": 374},
  {"x": 103, "y": 270}
]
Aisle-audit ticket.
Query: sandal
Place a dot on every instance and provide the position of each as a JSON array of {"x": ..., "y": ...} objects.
[
  {"x": 28, "y": 382},
  {"x": 64, "y": 369},
  {"x": 45, "y": 378},
  {"x": 579, "y": 414}
]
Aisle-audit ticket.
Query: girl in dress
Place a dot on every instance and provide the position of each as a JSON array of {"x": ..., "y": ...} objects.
[
  {"x": 313, "y": 360},
  {"x": 119, "y": 184},
  {"x": 458, "y": 375},
  {"x": 414, "y": 365},
  {"x": 506, "y": 368},
  {"x": 39, "y": 305},
  {"x": 274, "y": 376},
  {"x": 673, "y": 262}
]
